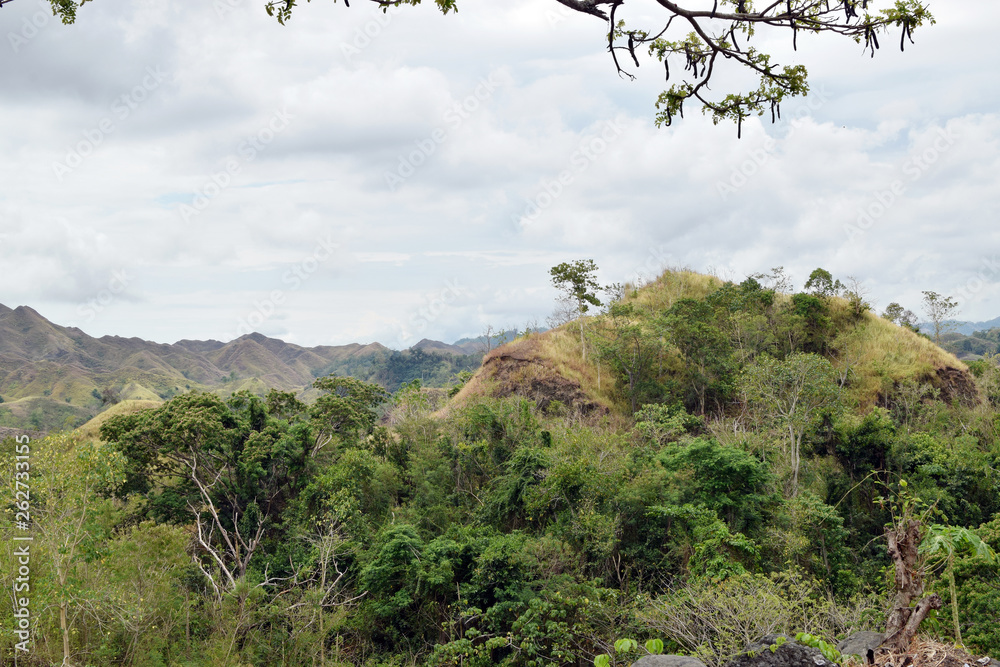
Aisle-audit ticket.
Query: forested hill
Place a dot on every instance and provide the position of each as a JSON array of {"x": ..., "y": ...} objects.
[
  {"x": 703, "y": 463},
  {"x": 53, "y": 377},
  {"x": 688, "y": 338}
]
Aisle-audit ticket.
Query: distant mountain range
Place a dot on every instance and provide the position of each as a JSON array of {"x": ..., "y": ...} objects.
[
  {"x": 53, "y": 376},
  {"x": 964, "y": 328}
]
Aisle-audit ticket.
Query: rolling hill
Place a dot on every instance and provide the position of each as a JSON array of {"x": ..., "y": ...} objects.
[{"x": 54, "y": 377}]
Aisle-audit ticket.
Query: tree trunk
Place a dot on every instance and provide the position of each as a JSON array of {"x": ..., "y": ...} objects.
[
  {"x": 63, "y": 624},
  {"x": 904, "y": 619},
  {"x": 954, "y": 596},
  {"x": 65, "y": 631}
]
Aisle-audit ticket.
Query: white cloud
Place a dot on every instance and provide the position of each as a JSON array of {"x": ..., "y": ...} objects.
[{"x": 483, "y": 205}]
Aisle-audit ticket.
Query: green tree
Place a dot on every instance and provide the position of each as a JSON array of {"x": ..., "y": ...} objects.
[
  {"x": 576, "y": 281},
  {"x": 939, "y": 308},
  {"x": 706, "y": 42},
  {"x": 821, "y": 283},
  {"x": 713, "y": 38},
  {"x": 692, "y": 327},
  {"x": 941, "y": 543},
  {"x": 627, "y": 343},
  {"x": 66, "y": 478},
  {"x": 345, "y": 409},
  {"x": 794, "y": 392},
  {"x": 904, "y": 317}
]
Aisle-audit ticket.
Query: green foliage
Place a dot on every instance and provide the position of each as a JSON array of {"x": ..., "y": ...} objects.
[
  {"x": 632, "y": 348},
  {"x": 576, "y": 281},
  {"x": 939, "y": 308},
  {"x": 822, "y": 284},
  {"x": 692, "y": 326},
  {"x": 706, "y": 621},
  {"x": 794, "y": 392},
  {"x": 365, "y": 531},
  {"x": 829, "y": 651}
]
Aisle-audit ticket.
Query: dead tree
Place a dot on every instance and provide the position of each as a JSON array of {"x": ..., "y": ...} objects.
[{"x": 905, "y": 616}]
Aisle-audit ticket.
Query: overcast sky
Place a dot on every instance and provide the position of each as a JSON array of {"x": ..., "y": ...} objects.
[{"x": 195, "y": 170}]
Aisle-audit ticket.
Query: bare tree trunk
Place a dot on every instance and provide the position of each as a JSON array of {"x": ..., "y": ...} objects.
[
  {"x": 65, "y": 631},
  {"x": 63, "y": 624},
  {"x": 904, "y": 619}
]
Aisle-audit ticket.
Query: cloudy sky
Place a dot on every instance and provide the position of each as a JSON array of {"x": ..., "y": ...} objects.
[{"x": 195, "y": 170}]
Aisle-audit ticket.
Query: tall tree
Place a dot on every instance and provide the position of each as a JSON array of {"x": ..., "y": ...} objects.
[
  {"x": 904, "y": 317},
  {"x": 231, "y": 467},
  {"x": 576, "y": 281},
  {"x": 939, "y": 308},
  {"x": 795, "y": 392},
  {"x": 67, "y": 477},
  {"x": 822, "y": 283},
  {"x": 692, "y": 326},
  {"x": 631, "y": 347}
]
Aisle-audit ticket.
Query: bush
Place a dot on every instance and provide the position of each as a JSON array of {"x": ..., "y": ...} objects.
[{"x": 715, "y": 621}]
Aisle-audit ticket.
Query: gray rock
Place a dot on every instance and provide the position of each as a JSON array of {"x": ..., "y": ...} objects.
[
  {"x": 861, "y": 643},
  {"x": 668, "y": 661},
  {"x": 788, "y": 654}
]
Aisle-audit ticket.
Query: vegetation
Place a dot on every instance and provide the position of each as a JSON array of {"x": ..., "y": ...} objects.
[
  {"x": 704, "y": 42},
  {"x": 91, "y": 375},
  {"x": 723, "y": 466}
]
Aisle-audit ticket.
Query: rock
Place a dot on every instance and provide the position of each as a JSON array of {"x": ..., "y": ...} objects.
[
  {"x": 668, "y": 661},
  {"x": 863, "y": 644},
  {"x": 788, "y": 654}
]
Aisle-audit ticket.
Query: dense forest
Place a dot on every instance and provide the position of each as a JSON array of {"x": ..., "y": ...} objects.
[{"x": 701, "y": 462}]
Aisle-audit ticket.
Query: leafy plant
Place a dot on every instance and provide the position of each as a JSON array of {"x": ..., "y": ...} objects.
[{"x": 829, "y": 651}]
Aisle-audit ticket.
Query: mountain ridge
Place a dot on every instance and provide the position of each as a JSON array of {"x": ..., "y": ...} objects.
[{"x": 53, "y": 376}]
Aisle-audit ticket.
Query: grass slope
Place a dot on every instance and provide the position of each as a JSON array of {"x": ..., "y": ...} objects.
[{"x": 873, "y": 354}]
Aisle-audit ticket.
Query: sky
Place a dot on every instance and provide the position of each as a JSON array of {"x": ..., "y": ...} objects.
[{"x": 176, "y": 170}]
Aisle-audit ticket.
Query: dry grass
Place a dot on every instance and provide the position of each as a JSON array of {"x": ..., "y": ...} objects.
[
  {"x": 671, "y": 286},
  {"x": 873, "y": 353},
  {"x": 91, "y": 430},
  {"x": 556, "y": 352},
  {"x": 928, "y": 653},
  {"x": 880, "y": 355}
]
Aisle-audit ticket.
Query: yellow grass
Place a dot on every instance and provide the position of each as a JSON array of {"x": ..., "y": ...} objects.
[
  {"x": 91, "y": 430},
  {"x": 876, "y": 354},
  {"x": 672, "y": 286}
]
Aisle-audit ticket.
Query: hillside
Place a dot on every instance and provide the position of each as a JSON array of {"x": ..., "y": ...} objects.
[
  {"x": 721, "y": 464},
  {"x": 721, "y": 328},
  {"x": 54, "y": 377}
]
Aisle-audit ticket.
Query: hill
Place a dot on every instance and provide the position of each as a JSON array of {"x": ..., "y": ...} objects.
[
  {"x": 719, "y": 462},
  {"x": 962, "y": 327},
  {"x": 54, "y": 377},
  {"x": 687, "y": 337}
]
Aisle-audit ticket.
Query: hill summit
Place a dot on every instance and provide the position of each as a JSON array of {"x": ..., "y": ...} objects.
[{"x": 688, "y": 338}]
